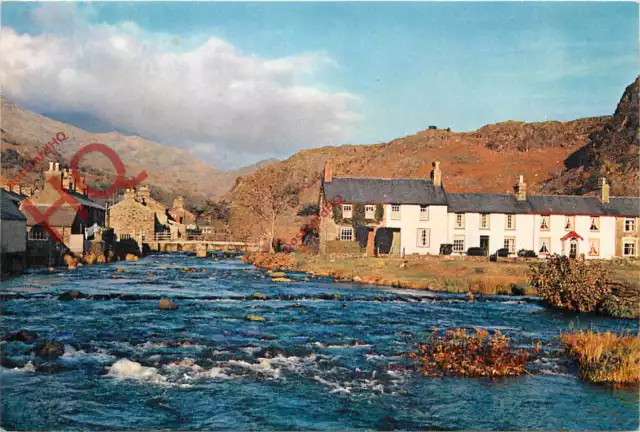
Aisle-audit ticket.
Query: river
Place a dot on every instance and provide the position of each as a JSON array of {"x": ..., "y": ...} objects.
[{"x": 327, "y": 355}]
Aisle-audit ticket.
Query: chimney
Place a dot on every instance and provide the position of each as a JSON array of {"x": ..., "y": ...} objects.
[
  {"x": 144, "y": 191},
  {"x": 436, "y": 174},
  {"x": 66, "y": 182},
  {"x": 53, "y": 175},
  {"x": 604, "y": 190},
  {"x": 328, "y": 172},
  {"x": 81, "y": 185},
  {"x": 521, "y": 189},
  {"x": 129, "y": 194},
  {"x": 178, "y": 202}
]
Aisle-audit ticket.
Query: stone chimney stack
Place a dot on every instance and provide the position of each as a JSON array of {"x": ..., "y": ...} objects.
[
  {"x": 604, "y": 190},
  {"x": 328, "y": 172},
  {"x": 129, "y": 194},
  {"x": 178, "y": 202},
  {"x": 53, "y": 175},
  {"x": 144, "y": 191},
  {"x": 521, "y": 189},
  {"x": 436, "y": 174}
]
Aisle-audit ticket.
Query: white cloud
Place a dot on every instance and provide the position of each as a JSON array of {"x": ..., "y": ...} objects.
[{"x": 213, "y": 99}]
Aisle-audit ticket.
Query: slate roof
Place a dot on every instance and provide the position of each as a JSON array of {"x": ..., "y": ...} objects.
[
  {"x": 565, "y": 205},
  {"x": 486, "y": 203},
  {"x": 396, "y": 191},
  {"x": 16, "y": 197},
  {"x": 9, "y": 208},
  {"x": 62, "y": 217},
  {"x": 86, "y": 201},
  {"x": 627, "y": 206}
]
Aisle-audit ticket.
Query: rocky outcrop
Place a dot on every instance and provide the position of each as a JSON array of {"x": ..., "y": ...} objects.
[
  {"x": 49, "y": 350},
  {"x": 167, "y": 304}
]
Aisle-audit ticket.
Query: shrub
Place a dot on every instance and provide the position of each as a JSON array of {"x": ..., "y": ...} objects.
[
  {"x": 503, "y": 252},
  {"x": 309, "y": 210},
  {"x": 605, "y": 357},
  {"x": 525, "y": 253},
  {"x": 476, "y": 251},
  {"x": 337, "y": 214},
  {"x": 569, "y": 283},
  {"x": 379, "y": 212},
  {"x": 446, "y": 249},
  {"x": 474, "y": 355}
]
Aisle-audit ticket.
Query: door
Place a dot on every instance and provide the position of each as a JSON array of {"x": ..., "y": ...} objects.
[
  {"x": 573, "y": 248},
  {"x": 484, "y": 243},
  {"x": 395, "y": 245}
]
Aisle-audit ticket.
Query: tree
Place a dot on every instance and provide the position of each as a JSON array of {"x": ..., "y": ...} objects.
[
  {"x": 267, "y": 194},
  {"x": 218, "y": 210}
]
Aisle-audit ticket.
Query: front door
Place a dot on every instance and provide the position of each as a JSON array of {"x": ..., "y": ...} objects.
[
  {"x": 573, "y": 248},
  {"x": 395, "y": 245},
  {"x": 484, "y": 243}
]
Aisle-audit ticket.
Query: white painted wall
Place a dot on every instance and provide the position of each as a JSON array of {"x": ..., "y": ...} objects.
[
  {"x": 14, "y": 236},
  {"x": 410, "y": 222},
  {"x": 497, "y": 231}
]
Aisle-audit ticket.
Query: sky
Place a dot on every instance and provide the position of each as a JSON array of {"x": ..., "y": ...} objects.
[{"x": 236, "y": 83}]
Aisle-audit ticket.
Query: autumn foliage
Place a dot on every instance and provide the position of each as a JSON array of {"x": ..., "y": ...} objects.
[
  {"x": 479, "y": 354},
  {"x": 571, "y": 283},
  {"x": 605, "y": 357}
]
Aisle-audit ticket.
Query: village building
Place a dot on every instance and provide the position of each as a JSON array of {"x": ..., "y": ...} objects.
[
  {"x": 73, "y": 212},
  {"x": 13, "y": 233},
  {"x": 417, "y": 216},
  {"x": 184, "y": 219}
]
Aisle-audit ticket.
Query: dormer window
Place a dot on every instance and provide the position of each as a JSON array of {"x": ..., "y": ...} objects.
[
  {"x": 544, "y": 223},
  {"x": 595, "y": 224},
  {"x": 347, "y": 211}
]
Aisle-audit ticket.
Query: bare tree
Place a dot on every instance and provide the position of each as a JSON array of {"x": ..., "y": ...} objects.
[{"x": 267, "y": 194}]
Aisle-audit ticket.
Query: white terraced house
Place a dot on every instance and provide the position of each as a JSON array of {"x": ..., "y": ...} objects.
[{"x": 417, "y": 216}]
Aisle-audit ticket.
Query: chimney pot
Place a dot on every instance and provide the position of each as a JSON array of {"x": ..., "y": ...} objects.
[
  {"x": 604, "y": 190},
  {"x": 57, "y": 166},
  {"x": 50, "y": 166}
]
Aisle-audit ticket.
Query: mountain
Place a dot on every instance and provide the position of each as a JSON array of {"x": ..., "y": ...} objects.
[
  {"x": 554, "y": 157},
  {"x": 611, "y": 152},
  {"x": 170, "y": 171}
]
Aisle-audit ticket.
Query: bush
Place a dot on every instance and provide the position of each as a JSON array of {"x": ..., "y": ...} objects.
[
  {"x": 309, "y": 210},
  {"x": 524, "y": 253},
  {"x": 476, "y": 251},
  {"x": 570, "y": 283},
  {"x": 446, "y": 249},
  {"x": 474, "y": 355},
  {"x": 504, "y": 252}
]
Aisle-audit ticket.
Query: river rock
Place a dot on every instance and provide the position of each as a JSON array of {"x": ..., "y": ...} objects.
[
  {"x": 71, "y": 267},
  {"x": 260, "y": 296},
  {"x": 278, "y": 274},
  {"x": 167, "y": 304},
  {"x": 255, "y": 318},
  {"x": 71, "y": 295},
  {"x": 470, "y": 296},
  {"x": 49, "y": 350},
  {"x": 281, "y": 279},
  {"x": 119, "y": 270},
  {"x": 25, "y": 336},
  {"x": 130, "y": 257},
  {"x": 357, "y": 278},
  {"x": 51, "y": 269}
]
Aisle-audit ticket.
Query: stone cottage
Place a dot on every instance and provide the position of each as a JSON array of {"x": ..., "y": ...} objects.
[{"x": 13, "y": 233}]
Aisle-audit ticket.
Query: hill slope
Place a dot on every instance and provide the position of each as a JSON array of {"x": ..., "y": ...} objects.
[{"x": 171, "y": 171}]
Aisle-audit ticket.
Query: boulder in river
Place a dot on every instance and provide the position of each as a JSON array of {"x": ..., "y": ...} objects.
[
  {"x": 281, "y": 279},
  {"x": 25, "y": 336},
  {"x": 278, "y": 274},
  {"x": 119, "y": 270},
  {"x": 167, "y": 304},
  {"x": 255, "y": 318},
  {"x": 260, "y": 296},
  {"x": 71, "y": 295},
  {"x": 130, "y": 257},
  {"x": 357, "y": 279},
  {"x": 49, "y": 350}
]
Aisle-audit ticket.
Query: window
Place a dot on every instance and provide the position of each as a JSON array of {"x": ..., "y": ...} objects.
[
  {"x": 594, "y": 247},
  {"x": 395, "y": 211},
  {"x": 424, "y": 213},
  {"x": 424, "y": 235},
  {"x": 38, "y": 234},
  {"x": 510, "y": 244},
  {"x": 629, "y": 225},
  {"x": 484, "y": 221},
  {"x": 369, "y": 212},
  {"x": 629, "y": 248},
  {"x": 347, "y": 211},
  {"x": 544, "y": 223},
  {"x": 459, "y": 220},
  {"x": 595, "y": 224},
  {"x": 510, "y": 222},
  {"x": 125, "y": 236},
  {"x": 570, "y": 223},
  {"x": 545, "y": 245},
  {"x": 346, "y": 234},
  {"x": 458, "y": 244}
]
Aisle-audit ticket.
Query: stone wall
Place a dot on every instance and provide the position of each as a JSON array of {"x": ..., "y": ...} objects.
[{"x": 621, "y": 235}]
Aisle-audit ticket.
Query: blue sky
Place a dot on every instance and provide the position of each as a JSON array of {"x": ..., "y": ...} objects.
[{"x": 278, "y": 77}]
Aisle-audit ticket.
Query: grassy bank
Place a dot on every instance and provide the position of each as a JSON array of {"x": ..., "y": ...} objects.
[
  {"x": 454, "y": 275},
  {"x": 605, "y": 357}
]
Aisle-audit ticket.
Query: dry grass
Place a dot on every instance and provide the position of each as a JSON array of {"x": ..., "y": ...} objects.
[{"x": 605, "y": 357}]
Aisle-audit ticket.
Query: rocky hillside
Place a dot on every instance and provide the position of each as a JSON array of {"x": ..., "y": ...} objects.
[
  {"x": 171, "y": 171},
  {"x": 554, "y": 157},
  {"x": 611, "y": 152}
]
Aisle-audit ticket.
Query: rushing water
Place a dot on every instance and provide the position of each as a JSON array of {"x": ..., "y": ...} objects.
[{"x": 326, "y": 356}]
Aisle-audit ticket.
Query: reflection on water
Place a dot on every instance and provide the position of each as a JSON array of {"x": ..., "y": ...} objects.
[{"x": 326, "y": 356}]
